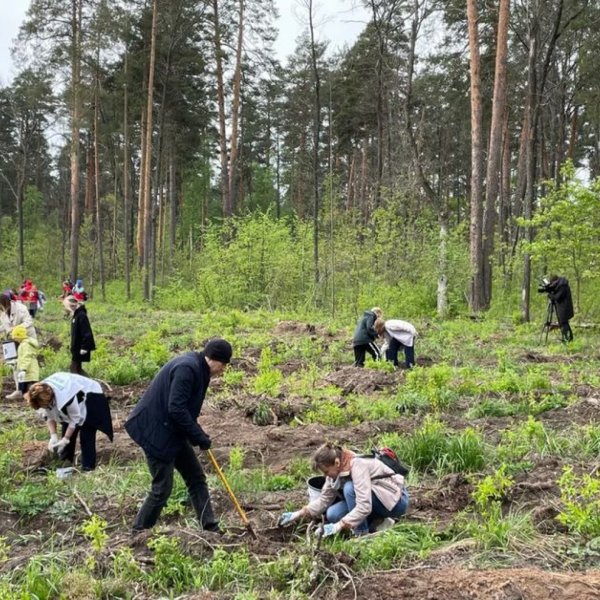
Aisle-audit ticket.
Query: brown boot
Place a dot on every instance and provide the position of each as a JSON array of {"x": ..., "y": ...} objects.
[{"x": 16, "y": 396}]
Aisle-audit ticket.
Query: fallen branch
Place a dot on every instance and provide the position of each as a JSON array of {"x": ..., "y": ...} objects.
[{"x": 82, "y": 501}]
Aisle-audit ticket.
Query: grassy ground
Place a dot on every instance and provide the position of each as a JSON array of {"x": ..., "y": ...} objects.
[{"x": 500, "y": 429}]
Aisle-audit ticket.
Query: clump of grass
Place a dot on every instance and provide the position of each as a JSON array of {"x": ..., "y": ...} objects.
[
  {"x": 580, "y": 497},
  {"x": 391, "y": 547},
  {"x": 433, "y": 447}
]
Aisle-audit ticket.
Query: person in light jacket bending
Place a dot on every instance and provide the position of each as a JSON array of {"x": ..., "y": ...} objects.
[
  {"x": 80, "y": 406},
  {"x": 370, "y": 490},
  {"x": 397, "y": 334}
]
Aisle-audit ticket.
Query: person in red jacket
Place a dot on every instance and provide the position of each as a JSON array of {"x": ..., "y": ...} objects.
[{"x": 29, "y": 296}]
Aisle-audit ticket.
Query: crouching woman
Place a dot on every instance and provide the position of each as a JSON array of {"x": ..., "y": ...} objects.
[
  {"x": 80, "y": 406},
  {"x": 370, "y": 490}
]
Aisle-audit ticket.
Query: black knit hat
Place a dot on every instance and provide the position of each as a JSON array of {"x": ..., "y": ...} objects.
[{"x": 219, "y": 350}]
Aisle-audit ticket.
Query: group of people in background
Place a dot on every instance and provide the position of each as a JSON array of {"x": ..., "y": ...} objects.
[
  {"x": 71, "y": 400},
  {"x": 395, "y": 334},
  {"x": 17, "y": 323}
]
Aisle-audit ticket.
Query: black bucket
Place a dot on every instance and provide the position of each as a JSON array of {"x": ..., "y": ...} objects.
[{"x": 315, "y": 485}]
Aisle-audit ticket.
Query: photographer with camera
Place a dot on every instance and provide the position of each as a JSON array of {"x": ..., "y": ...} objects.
[{"x": 559, "y": 295}]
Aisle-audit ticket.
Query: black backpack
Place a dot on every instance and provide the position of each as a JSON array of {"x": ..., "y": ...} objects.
[{"x": 389, "y": 458}]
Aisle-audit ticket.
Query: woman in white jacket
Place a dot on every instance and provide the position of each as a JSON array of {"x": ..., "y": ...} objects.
[
  {"x": 80, "y": 406},
  {"x": 397, "y": 334}
]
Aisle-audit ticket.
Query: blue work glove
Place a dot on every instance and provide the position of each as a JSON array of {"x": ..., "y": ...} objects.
[
  {"x": 331, "y": 529},
  {"x": 287, "y": 518}
]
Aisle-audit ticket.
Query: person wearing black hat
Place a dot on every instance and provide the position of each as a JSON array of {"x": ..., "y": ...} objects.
[{"x": 164, "y": 423}]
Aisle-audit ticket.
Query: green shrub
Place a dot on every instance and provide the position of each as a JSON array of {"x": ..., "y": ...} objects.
[
  {"x": 580, "y": 497},
  {"x": 173, "y": 570},
  {"x": 268, "y": 382}
]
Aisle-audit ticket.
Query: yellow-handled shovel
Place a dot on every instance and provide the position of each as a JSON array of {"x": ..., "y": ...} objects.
[{"x": 240, "y": 510}]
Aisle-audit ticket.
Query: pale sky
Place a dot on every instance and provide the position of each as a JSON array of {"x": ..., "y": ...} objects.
[{"x": 338, "y": 21}]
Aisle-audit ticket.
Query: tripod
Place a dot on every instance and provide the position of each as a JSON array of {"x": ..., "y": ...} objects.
[{"x": 548, "y": 323}]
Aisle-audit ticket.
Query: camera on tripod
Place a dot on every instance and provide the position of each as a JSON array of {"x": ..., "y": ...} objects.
[{"x": 545, "y": 286}]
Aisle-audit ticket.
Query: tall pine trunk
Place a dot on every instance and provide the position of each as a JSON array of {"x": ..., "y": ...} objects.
[
  {"x": 227, "y": 207},
  {"x": 316, "y": 138},
  {"x": 477, "y": 296},
  {"x": 147, "y": 159},
  {"x": 235, "y": 110},
  {"x": 76, "y": 10},
  {"x": 495, "y": 150}
]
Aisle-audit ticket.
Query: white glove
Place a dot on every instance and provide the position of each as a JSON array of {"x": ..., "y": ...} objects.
[
  {"x": 20, "y": 376},
  {"x": 53, "y": 441},
  {"x": 287, "y": 518},
  {"x": 83, "y": 352},
  {"x": 61, "y": 444}
]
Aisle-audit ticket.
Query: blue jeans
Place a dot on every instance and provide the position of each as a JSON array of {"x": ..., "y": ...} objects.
[
  {"x": 392, "y": 353},
  {"x": 336, "y": 512}
]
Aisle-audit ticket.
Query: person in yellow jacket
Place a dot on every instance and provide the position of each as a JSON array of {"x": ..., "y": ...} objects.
[{"x": 27, "y": 368}]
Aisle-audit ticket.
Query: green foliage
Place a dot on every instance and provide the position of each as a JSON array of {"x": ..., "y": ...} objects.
[
  {"x": 433, "y": 384},
  {"x": 567, "y": 226},
  {"x": 292, "y": 573},
  {"x": 174, "y": 571},
  {"x": 490, "y": 526},
  {"x": 494, "y": 530},
  {"x": 94, "y": 529},
  {"x": 268, "y": 381},
  {"x": 530, "y": 436},
  {"x": 125, "y": 566},
  {"x": 227, "y": 570},
  {"x": 236, "y": 458},
  {"x": 580, "y": 497},
  {"x": 327, "y": 413},
  {"x": 491, "y": 489},
  {"x": 31, "y": 499},
  {"x": 433, "y": 447},
  {"x": 392, "y": 546}
]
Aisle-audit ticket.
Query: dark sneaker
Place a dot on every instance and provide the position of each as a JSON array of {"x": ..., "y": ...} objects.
[{"x": 213, "y": 528}]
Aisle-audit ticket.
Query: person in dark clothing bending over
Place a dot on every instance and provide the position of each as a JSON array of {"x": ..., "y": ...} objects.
[
  {"x": 82, "y": 338},
  {"x": 364, "y": 337},
  {"x": 164, "y": 423},
  {"x": 559, "y": 292}
]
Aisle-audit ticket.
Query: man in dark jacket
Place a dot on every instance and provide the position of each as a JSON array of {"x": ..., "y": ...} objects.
[
  {"x": 559, "y": 292},
  {"x": 82, "y": 338},
  {"x": 364, "y": 337},
  {"x": 164, "y": 423}
]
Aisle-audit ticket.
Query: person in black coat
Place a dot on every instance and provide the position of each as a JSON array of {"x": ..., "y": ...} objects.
[
  {"x": 82, "y": 338},
  {"x": 364, "y": 337},
  {"x": 164, "y": 423},
  {"x": 559, "y": 292}
]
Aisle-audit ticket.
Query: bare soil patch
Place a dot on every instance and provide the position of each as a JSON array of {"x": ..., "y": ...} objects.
[{"x": 457, "y": 583}]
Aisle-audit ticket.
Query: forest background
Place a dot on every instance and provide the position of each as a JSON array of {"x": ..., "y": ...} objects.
[{"x": 440, "y": 164}]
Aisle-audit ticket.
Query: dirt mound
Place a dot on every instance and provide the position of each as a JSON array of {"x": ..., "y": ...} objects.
[
  {"x": 442, "y": 501},
  {"x": 462, "y": 584},
  {"x": 298, "y": 328},
  {"x": 362, "y": 381}
]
